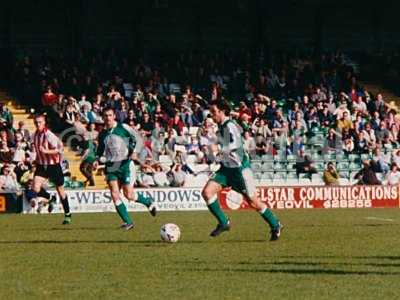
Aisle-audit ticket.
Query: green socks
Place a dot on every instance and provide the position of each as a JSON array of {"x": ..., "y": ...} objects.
[
  {"x": 123, "y": 212},
  {"x": 269, "y": 217},
  {"x": 216, "y": 210},
  {"x": 146, "y": 201}
]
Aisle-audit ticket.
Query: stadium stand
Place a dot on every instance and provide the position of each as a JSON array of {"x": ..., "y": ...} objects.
[{"x": 296, "y": 117}]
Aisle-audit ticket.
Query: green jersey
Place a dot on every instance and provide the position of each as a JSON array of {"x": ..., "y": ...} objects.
[
  {"x": 233, "y": 155},
  {"x": 118, "y": 142},
  {"x": 91, "y": 152}
]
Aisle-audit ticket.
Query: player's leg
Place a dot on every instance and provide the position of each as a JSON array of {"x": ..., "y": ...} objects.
[
  {"x": 128, "y": 177},
  {"x": 50, "y": 200},
  {"x": 246, "y": 185},
  {"x": 210, "y": 195},
  {"x": 119, "y": 204},
  {"x": 57, "y": 177},
  {"x": 38, "y": 182},
  {"x": 65, "y": 204}
]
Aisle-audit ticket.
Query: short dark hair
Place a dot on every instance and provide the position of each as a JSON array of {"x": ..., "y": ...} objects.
[
  {"x": 221, "y": 105},
  {"x": 108, "y": 108},
  {"x": 41, "y": 116}
]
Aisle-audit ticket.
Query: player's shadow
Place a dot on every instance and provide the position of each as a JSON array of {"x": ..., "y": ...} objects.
[
  {"x": 390, "y": 257},
  {"x": 65, "y": 229},
  {"x": 295, "y": 271},
  {"x": 322, "y": 264}
]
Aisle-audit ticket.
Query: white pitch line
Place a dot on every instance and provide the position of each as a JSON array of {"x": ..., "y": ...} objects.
[{"x": 379, "y": 219}]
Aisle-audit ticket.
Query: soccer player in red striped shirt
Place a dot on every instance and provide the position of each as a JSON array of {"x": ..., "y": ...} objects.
[{"x": 48, "y": 148}]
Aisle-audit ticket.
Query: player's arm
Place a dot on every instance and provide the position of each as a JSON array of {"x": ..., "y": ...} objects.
[
  {"x": 100, "y": 150},
  {"x": 138, "y": 140}
]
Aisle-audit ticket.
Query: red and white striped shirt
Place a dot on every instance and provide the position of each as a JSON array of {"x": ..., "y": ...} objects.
[{"x": 47, "y": 140}]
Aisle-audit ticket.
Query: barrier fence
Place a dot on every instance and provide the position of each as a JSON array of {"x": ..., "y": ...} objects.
[{"x": 190, "y": 199}]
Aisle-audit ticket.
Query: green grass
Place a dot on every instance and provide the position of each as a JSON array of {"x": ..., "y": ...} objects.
[{"x": 323, "y": 254}]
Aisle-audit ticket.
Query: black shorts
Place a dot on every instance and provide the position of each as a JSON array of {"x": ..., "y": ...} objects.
[{"x": 53, "y": 173}]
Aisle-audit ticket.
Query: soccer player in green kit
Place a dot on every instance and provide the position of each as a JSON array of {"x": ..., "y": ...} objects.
[
  {"x": 120, "y": 144},
  {"x": 235, "y": 172}
]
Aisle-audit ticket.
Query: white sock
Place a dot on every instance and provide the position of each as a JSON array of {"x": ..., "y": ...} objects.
[
  {"x": 263, "y": 210},
  {"x": 212, "y": 200}
]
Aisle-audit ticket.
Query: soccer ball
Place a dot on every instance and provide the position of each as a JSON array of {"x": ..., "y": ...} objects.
[{"x": 170, "y": 233}]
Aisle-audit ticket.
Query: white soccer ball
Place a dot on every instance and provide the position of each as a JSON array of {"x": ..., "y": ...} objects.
[{"x": 170, "y": 233}]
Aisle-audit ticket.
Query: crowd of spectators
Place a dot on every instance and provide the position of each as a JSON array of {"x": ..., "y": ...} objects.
[{"x": 282, "y": 103}]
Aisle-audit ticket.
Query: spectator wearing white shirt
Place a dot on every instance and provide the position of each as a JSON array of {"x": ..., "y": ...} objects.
[
  {"x": 369, "y": 134},
  {"x": 84, "y": 102},
  {"x": 360, "y": 106},
  {"x": 249, "y": 144},
  {"x": 178, "y": 176},
  {"x": 8, "y": 179},
  {"x": 393, "y": 176},
  {"x": 396, "y": 157}
]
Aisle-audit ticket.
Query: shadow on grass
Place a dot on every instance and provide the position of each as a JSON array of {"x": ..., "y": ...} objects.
[
  {"x": 390, "y": 257},
  {"x": 94, "y": 242},
  {"x": 375, "y": 225},
  {"x": 66, "y": 228},
  {"x": 310, "y": 263},
  {"x": 294, "y": 271}
]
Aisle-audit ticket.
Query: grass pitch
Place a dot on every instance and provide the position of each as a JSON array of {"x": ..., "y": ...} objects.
[{"x": 323, "y": 254}]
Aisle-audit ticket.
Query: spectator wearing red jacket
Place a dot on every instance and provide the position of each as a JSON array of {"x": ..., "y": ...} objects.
[
  {"x": 176, "y": 123},
  {"x": 49, "y": 98}
]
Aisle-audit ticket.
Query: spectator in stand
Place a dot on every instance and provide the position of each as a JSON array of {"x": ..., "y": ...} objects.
[
  {"x": 332, "y": 142},
  {"x": 381, "y": 132},
  {"x": 341, "y": 110},
  {"x": 331, "y": 175},
  {"x": 393, "y": 176},
  {"x": 70, "y": 115},
  {"x": 177, "y": 175},
  {"x": 361, "y": 144},
  {"x": 146, "y": 178},
  {"x": 396, "y": 157},
  {"x": 84, "y": 102},
  {"x": 260, "y": 127},
  {"x": 369, "y": 134},
  {"x": 249, "y": 144},
  {"x": 8, "y": 179},
  {"x": 49, "y": 98},
  {"x": 348, "y": 146},
  {"x": 160, "y": 177},
  {"x": 193, "y": 147},
  {"x": 304, "y": 164},
  {"x": 375, "y": 121},
  {"x": 262, "y": 147},
  {"x": 359, "y": 123},
  {"x": 7, "y": 116},
  {"x": 87, "y": 115},
  {"x": 147, "y": 125},
  {"x": 360, "y": 107},
  {"x": 344, "y": 122},
  {"x": 176, "y": 123},
  {"x": 122, "y": 113},
  {"x": 367, "y": 176},
  {"x": 6, "y": 155},
  {"x": 24, "y": 132},
  {"x": 380, "y": 161},
  {"x": 20, "y": 149}
]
